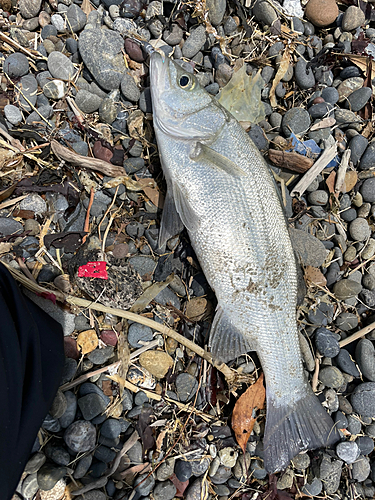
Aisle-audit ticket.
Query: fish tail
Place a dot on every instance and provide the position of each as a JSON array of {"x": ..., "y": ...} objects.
[{"x": 290, "y": 429}]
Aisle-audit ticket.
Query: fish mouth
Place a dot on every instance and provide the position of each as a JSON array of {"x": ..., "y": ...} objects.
[{"x": 159, "y": 75}]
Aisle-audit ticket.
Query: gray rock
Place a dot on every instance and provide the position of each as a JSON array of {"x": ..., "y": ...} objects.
[
  {"x": 183, "y": 470},
  {"x": 309, "y": 249},
  {"x": 222, "y": 475},
  {"x": 326, "y": 343},
  {"x": 359, "y": 229},
  {"x": 100, "y": 356},
  {"x": 94, "y": 495},
  {"x": 60, "y": 66},
  {"x": 305, "y": 78},
  {"x": 318, "y": 197},
  {"x": 91, "y": 406},
  {"x": 330, "y": 474},
  {"x": 58, "y": 454},
  {"x": 51, "y": 424},
  {"x": 9, "y": 226},
  {"x": 314, "y": 488},
  {"x": 258, "y": 137},
  {"x": 173, "y": 35},
  {"x": 29, "y": 8},
  {"x": 143, "y": 265},
  {"x": 354, "y": 425},
  {"x": 104, "y": 454},
  {"x": 45, "y": 110},
  {"x": 348, "y": 451},
  {"x": 368, "y": 158},
  {"x": 352, "y": 18},
  {"x": 358, "y": 146},
  {"x": 368, "y": 189},
  {"x": 320, "y": 110},
  {"x": 111, "y": 428},
  {"x": 186, "y": 386},
  {"x": 87, "y": 102},
  {"x": 83, "y": 466},
  {"x": 35, "y": 203},
  {"x": 361, "y": 469},
  {"x": 59, "y": 405},
  {"x": 330, "y": 376},
  {"x": 346, "y": 288},
  {"x": 365, "y": 444},
  {"x": 365, "y": 357},
  {"x": 216, "y": 11},
  {"x": 358, "y": 99},
  {"x": 30, "y": 486},
  {"x": 76, "y": 18},
  {"x": 264, "y": 12},
  {"x": 55, "y": 89},
  {"x": 101, "y": 51},
  {"x": 345, "y": 117},
  {"x": 108, "y": 110},
  {"x": 80, "y": 436},
  {"x": 27, "y": 89},
  {"x": 129, "y": 88},
  {"x": 363, "y": 399},
  {"x": 13, "y": 114},
  {"x": 146, "y": 484},
  {"x": 71, "y": 409},
  {"x": 296, "y": 120},
  {"x": 197, "y": 490},
  {"x": 166, "y": 296},
  {"x": 346, "y": 321},
  {"x": 137, "y": 333},
  {"x": 58, "y": 21},
  {"x": 330, "y": 95},
  {"x": 346, "y": 364},
  {"x": 165, "y": 470},
  {"x": 195, "y": 41},
  {"x": 165, "y": 490},
  {"x": 35, "y": 463},
  {"x": 81, "y": 148},
  {"x": 49, "y": 475}
]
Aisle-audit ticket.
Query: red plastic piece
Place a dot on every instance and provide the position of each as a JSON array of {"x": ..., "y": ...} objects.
[{"x": 93, "y": 270}]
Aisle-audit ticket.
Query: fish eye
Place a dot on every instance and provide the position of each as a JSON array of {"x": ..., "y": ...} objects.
[{"x": 184, "y": 81}]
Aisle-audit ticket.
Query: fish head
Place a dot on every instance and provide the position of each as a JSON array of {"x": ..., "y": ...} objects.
[{"x": 182, "y": 108}]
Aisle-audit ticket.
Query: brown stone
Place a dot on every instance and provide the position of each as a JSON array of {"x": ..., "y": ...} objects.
[
  {"x": 156, "y": 362},
  {"x": 322, "y": 12}
]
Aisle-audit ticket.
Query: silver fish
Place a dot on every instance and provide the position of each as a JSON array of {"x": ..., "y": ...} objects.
[{"x": 220, "y": 188}]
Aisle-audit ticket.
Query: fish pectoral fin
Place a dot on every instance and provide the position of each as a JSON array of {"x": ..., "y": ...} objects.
[
  {"x": 217, "y": 161},
  {"x": 188, "y": 215},
  {"x": 226, "y": 341},
  {"x": 301, "y": 425},
  {"x": 171, "y": 223}
]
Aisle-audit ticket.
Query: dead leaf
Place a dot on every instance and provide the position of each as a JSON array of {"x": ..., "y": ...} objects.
[
  {"x": 351, "y": 179},
  {"x": 313, "y": 275},
  {"x": 242, "y": 417},
  {"x": 283, "y": 68},
  {"x": 330, "y": 181},
  {"x": 87, "y": 341},
  {"x": 135, "y": 124},
  {"x": 87, "y": 7}
]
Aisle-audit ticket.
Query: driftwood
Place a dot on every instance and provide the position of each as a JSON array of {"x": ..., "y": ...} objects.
[
  {"x": 290, "y": 160},
  {"x": 102, "y": 166}
]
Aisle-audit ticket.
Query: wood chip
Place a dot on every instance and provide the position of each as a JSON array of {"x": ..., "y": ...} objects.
[{"x": 290, "y": 160}]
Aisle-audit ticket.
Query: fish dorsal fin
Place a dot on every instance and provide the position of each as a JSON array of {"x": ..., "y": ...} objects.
[
  {"x": 216, "y": 160},
  {"x": 171, "y": 223},
  {"x": 188, "y": 215},
  {"x": 226, "y": 341}
]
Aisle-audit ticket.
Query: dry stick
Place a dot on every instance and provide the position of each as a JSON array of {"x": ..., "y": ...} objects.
[
  {"x": 87, "y": 219},
  {"x": 14, "y": 142},
  {"x": 319, "y": 165},
  {"x": 314, "y": 382},
  {"x": 222, "y": 367},
  {"x": 341, "y": 172},
  {"x": 361, "y": 333},
  {"x": 19, "y": 47}
]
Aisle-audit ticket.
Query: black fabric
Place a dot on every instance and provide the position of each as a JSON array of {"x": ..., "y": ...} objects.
[{"x": 31, "y": 363}]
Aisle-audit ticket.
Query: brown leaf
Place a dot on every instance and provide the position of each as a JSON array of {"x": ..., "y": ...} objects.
[
  {"x": 330, "y": 181},
  {"x": 351, "y": 179},
  {"x": 242, "y": 417},
  {"x": 87, "y": 7},
  {"x": 283, "y": 68},
  {"x": 313, "y": 275},
  {"x": 87, "y": 341}
]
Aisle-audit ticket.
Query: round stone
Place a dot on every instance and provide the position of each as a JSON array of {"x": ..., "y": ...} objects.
[
  {"x": 358, "y": 146},
  {"x": 361, "y": 469},
  {"x": 80, "y": 436},
  {"x": 314, "y": 488},
  {"x": 29, "y": 8},
  {"x": 165, "y": 490},
  {"x": 363, "y": 399},
  {"x": 346, "y": 364},
  {"x": 264, "y": 12},
  {"x": 111, "y": 428},
  {"x": 146, "y": 484},
  {"x": 183, "y": 470},
  {"x": 49, "y": 475},
  {"x": 186, "y": 386},
  {"x": 318, "y": 197},
  {"x": 348, "y": 451},
  {"x": 87, "y": 102},
  {"x": 60, "y": 66},
  {"x": 195, "y": 42},
  {"x": 346, "y": 321},
  {"x": 330, "y": 94},
  {"x": 331, "y": 376},
  {"x": 156, "y": 362},
  {"x": 76, "y": 18},
  {"x": 54, "y": 89},
  {"x": 321, "y": 12},
  {"x": 13, "y": 114},
  {"x": 59, "y": 405},
  {"x": 358, "y": 99},
  {"x": 346, "y": 288},
  {"x": 326, "y": 343},
  {"x": 365, "y": 357},
  {"x": 304, "y": 76},
  {"x": 139, "y": 335},
  {"x": 129, "y": 88},
  {"x": 296, "y": 120},
  {"x": 35, "y": 203},
  {"x": 353, "y": 18},
  {"x": 368, "y": 158},
  {"x": 228, "y": 457},
  {"x": 365, "y": 444},
  {"x": 368, "y": 189},
  {"x": 359, "y": 229},
  {"x": 35, "y": 463},
  {"x": 68, "y": 417}
]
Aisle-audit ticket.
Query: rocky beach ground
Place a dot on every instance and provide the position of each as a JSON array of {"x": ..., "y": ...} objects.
[{"x": 143, "y": 413}]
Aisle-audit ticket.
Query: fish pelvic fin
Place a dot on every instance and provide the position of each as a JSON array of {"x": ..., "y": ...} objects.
[
  {"x": 304, "y": 425},
  {"x": 226, "y": 341}
]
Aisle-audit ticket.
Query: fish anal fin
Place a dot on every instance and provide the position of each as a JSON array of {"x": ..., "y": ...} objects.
[
  {"x": 216, "y": 160},
  {"x": 291, "y": 429},
  {"x": 226, "y": 341},
  {"x": 188, "y": 215},
  {"x": 171, "y": 223}
]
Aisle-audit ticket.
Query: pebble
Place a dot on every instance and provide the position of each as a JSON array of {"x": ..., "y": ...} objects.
[
  {"x": 222, "y": 475},
  {"x": 330, "y": 95},
  {"x": 363, "y": 399},
  {"x": 301, "y": 461},
  {"x": 358, "y": 99},
  {"x": 91, "y": 406},
  {"x": 330, "y": 474},
  {"x": 346, "y": 289},
  {"x": 111, "y": 428},
  {"x": 346, "y": 364},
  {"x": 304, "y": 77},
  {"x": 216, "y": 10},
  {"x": 29, "y": 8},
  {"x": 326, "y": 343},
  {"x": 321, "y": 12},
  {"x": 314, "y": 488},
  {"x": 87, "y": 102},
  {"x": 156, "y": 362},
  {"x": 35, "y": 203},
  {"x": 137, "y": 333},
  {"x": 352, "y": 18},
  {"x": 60, "y": 66},
  {"x": 100, "y": 356},
  {"x": 13, "y": 114},
  {"x": 348, "y": 451},
  {"x": 264, "y": 12},
  {"x": 48, "y": 475},
  {"x": 59, "y": 405},
  {"x": 30, "y": 486},
  {"x": 228, "y": 457},
  {"x": 331, "y": 376},
  {"x": 165, "y": 490},
  {"x": 359, "y": 229},
  {"x": 346, "y": 321},
  {"x": 195, "y": 41},
  {"x": 186, "y": 386},
  {"x": 165, "y": 470},
  {"x": 365, "y": 357},
  {"x": 365, "y": 444},
  {"x": 318, "y": 197},
  {"x": 358, "y": 145},
  {"x": 68, "y": 416},
  {"x": 146, "y": 484},
  {"x": 183, "y": 470},
  {"x": 76, "y": 18},
  {"x": 35, "y": 462},
  {"x": 80, "y": 436},
  {"x": 129, "y": 88},
  {"x": 309, "y": 249}
]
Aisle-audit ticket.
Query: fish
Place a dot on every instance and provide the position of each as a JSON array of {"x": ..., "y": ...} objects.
[{"x": 221, "y": 190}]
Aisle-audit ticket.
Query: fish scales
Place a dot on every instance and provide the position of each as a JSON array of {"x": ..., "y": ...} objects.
[{"x": 223, "y": 192}]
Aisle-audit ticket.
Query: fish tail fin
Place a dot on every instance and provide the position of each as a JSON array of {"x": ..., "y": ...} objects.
[{"x": 290, "y": 429}]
